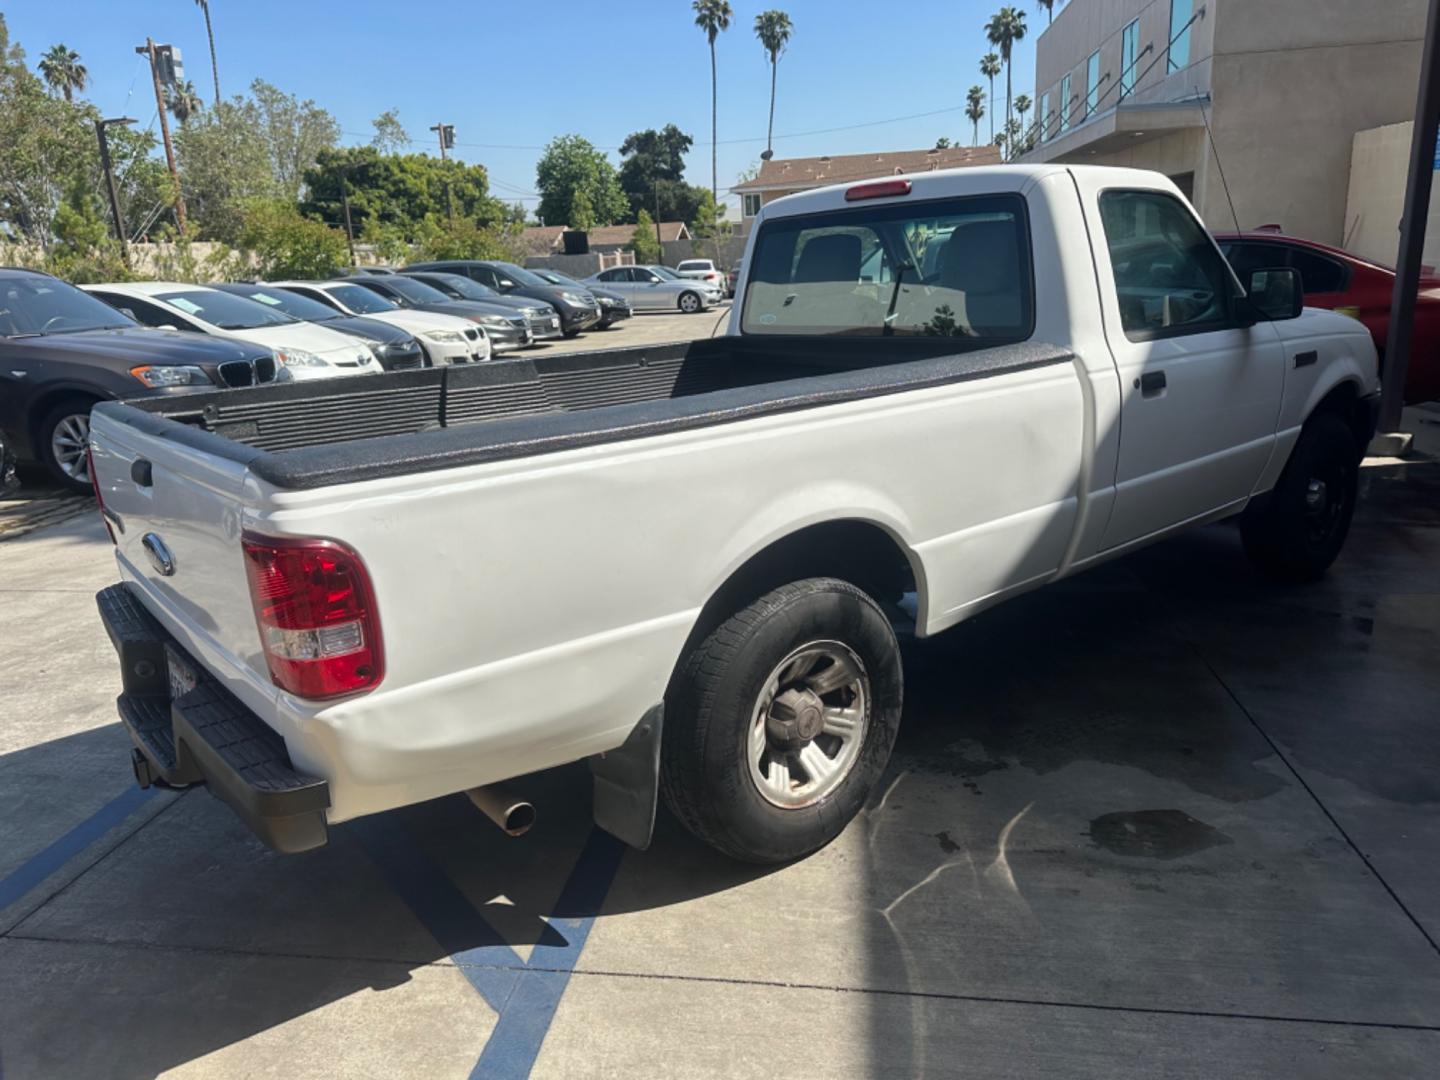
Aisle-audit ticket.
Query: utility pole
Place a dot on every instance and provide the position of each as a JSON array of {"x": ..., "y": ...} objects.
[
  {"x": 100, "y": 126},
  {"x": 659, "y": 243},
  {"x": 1390, "y": 440},
  {"x": 349, "y": 229},
  {"x": 446, "y": 133},
  {"x": 148, "y": 50}
]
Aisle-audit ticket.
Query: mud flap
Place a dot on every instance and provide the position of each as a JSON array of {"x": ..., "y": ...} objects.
[{"x": 627, "y": 782}]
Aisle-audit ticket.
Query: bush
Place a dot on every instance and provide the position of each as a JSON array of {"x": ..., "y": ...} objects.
[
  {"x": 84, "y": 252},
  {"x": 647, "y": 248},
  {"x": 463, "y": 239},
  {"x": 286, "y": 244}
]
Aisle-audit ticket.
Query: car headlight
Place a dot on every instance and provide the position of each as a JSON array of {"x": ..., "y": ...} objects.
[
  {"x": 575, "y": 298},
  {"x": 494, "y": 322},
  {"x": 298, "y": 358},
  {"x": 156, "y": 376},
  {"x": 445, "y": 337}
]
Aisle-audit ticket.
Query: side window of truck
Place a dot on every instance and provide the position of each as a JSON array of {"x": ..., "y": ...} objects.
[
  {"x": 955, "y": 268},
  {"x": 1169, "y": 278}
]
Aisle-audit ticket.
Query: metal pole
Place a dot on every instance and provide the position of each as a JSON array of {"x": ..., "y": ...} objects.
[
  {"x": 148, "y": 50},
  {"x": 439, "y": 130},
  {"x": 659, "y": 243},
  {"x": 1412, "y": 228},
  {"x": 100, "y": 126},
  {"x": 349, "y": 229}
]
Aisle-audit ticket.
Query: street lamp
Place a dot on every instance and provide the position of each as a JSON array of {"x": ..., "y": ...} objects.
[{"x": 101, "y": 126}]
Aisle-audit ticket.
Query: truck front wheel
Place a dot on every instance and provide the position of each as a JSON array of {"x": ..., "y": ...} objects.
[
  {"x": 781, "y": 721},
  {"x": 1295, "y": 534}
]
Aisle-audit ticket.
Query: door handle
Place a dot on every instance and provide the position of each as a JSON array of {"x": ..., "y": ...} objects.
[
  {"x": 142, "y": 473},
  {"x": 1151, "y": 383}
]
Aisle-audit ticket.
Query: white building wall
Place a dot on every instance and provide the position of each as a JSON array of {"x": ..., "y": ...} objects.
[{"x": 1379, "y": 164}]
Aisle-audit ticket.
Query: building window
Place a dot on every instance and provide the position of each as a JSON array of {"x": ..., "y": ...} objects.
[
  {"x": 1180, "y": 12},
  {"x": 750, "y": 205},
  {"x": 1129, "y": 55},
  {"x": 1045, "y": 116},
  {"x": 1065, "y": 103},
  {"x": 1092, "y": 84}
]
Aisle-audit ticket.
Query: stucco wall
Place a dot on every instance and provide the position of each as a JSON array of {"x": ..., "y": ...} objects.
[{"x": 1379, "y": 163}]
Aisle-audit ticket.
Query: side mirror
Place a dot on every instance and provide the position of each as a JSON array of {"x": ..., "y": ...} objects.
[{"x": 1276, "y": 293}]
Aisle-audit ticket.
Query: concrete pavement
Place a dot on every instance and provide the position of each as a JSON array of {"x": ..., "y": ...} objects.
[{"x": 1162, "y": 819}]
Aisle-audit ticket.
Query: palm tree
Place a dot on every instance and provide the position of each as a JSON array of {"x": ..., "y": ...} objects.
[
  {"x": 1049, "y": 6},
  {"x": 183, "y": 102},
  {"x": 773, "y": 28},
  {"x": 975, "y": 110},
  {"x": 1022, "y": 106},
  {"x": 990, "y": 67},
  {"x": 1012, "y": 137},
  {"x": 1005, "y": 28},
  {"x": 62, "y": 70},
  {"x": 204, "y": 5},
  {"x": 713, "y": 16}
]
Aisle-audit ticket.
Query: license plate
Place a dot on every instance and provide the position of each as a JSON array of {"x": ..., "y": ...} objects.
[
  {"x": 182, "y": 676},
  {"x": 554, "y": 324}
]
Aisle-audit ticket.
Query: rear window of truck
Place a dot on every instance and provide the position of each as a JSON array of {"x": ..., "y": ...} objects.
[{"x": 955, "y": 268}]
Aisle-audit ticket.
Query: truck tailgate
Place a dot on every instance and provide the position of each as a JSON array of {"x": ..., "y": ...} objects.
[{"x": 176, "y": 512}]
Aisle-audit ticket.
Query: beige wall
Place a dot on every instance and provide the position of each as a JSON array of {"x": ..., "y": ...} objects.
[
  {"x": 1379, "y": 165},
  {"x": 1293, "y": 81}
]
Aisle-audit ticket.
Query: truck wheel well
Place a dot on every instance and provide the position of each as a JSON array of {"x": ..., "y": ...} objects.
[
  {"x": 1344, "y": 401},
  {"x": 860, "y": 552}
]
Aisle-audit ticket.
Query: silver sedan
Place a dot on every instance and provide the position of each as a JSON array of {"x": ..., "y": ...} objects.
[{"x": 654, "y": 288}]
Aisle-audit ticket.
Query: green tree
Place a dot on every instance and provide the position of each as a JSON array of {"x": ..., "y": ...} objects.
[
  {"x": 652, "y": 171},
  {"x": 399, "y": 190},
  {"x": 582, "y": 212},
  {"x": 227, "y": 165},
  {"x": 390, "y": 135},
  {"x": 84, "y": 250},
  {"x": 647, "y": 248},
  {"x": 1022, "y": 106},
  {"x": 295, "y": 132},
  {"x": 204, "y": 6},
  {"x": 773, "y": 28},
  {"x": 464, "y": 239},
  {"x": 61, "y": 69},
  {"x": 1005, "y": 28},
  {"x": 286, "y": 244},
  {"x": 713, "y": 16},
  {"x": 990, "y": 67},
  {"x": 1049, "y": 8},
  {"x": 183, "y": 102},
  {"x": 942, "y": 143},
  {"x": 389, "y": 241},
  {"x": 570, "y": 164},
  {"x": 975, "y": 111}
]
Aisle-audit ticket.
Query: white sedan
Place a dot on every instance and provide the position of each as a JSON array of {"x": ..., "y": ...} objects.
[
  {"x": 446, "y": 339},
  {"x": 304, "y": 350}
]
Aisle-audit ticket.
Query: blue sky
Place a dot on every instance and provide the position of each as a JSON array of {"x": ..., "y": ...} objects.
[{"x": 510, "y": 76}]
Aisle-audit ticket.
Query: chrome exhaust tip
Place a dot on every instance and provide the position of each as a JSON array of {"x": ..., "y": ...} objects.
[{"x": 514, "y": 815}]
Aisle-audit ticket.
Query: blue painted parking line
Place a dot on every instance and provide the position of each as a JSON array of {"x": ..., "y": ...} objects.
[
  {"x": 33, "y": 871},
  {"x": 523, "y": 996}
]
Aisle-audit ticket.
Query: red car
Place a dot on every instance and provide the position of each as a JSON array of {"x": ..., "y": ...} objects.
[{"x": 1345, "y": 282}]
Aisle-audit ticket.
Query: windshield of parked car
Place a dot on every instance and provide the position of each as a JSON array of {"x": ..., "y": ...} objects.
[
  {"x": 223, "y": 310},
  {"x": 292, "y": 304},
  {"x": 361, "y": 300},
  {"x": 417, "y": 292},
  {"x": 462, "y": 286},
  {"x": 946, "y": 268},
  {"x": 696, "y": 264},
  {"x": 31, "y": 306},
  {"x": 519, "y": 274}
]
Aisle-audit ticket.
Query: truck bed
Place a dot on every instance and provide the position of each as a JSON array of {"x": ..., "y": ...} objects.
[{"x": 307, "y": 435}]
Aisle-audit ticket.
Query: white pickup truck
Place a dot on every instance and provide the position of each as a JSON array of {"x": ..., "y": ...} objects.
[{"x": 686, "y": 563}]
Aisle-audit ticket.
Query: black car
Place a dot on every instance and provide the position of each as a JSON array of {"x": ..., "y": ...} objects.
[
  {"x": 577, "y": 307},
  {"x": 62, "y": 350},
  {"x": 543, "y": 319},
  {"x": 506, "y": 327},
  {"x": 613, "y": 306},
  {"x": 394, "y": 348}
]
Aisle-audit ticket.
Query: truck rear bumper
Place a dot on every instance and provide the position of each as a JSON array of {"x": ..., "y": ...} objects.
[{"x": 203, "y": 734}]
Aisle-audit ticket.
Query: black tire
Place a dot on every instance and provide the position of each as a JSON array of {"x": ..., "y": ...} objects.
[
  {"x": 1296, "y": 533},
  {"x": 705, "y": 772},
  {"x": 696, "y": 304},
  {"x": 62, "y": 471}
]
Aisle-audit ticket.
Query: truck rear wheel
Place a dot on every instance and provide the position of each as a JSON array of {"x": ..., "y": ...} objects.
[
  {"x": 781, "y": 721},
  {"x": 1295, "y": 534}
]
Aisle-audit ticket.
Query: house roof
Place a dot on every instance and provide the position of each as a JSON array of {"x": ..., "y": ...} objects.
[
  {"x": 545, "y": 239},
  {"x": 790, "y": 174}
]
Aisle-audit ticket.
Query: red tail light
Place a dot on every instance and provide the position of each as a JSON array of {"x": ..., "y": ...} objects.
[
  {"x": 880, "y": 189},
  {"x": 316, "y": 613},
  {"x": 95, "y": 486}
]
